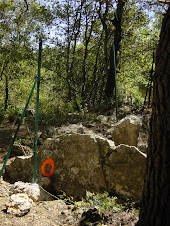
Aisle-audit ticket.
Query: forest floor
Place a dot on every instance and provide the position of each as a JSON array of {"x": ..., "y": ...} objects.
[{"x": 54, "y": 212}]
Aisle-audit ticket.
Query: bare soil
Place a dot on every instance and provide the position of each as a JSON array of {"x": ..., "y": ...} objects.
[{"x": 54, "y": 212}]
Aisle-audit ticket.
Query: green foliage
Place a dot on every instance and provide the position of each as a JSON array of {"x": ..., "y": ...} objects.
[
  {"x": 140, "y": 39},
  {"x": 52, "y": 117},
  {"x": 68, "y": 200},
  {"x": 13, "y": 113},
  {"x": 73, "y": 67},
  {"x": 93, "y": 117},
  {"x": 26, "y": 141},
  {"x": 102, "y": 201}
]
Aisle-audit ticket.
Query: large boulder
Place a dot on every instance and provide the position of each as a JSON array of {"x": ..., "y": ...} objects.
[
  {"x": 126, "y": 131},
  {"x": 124, "y": 171},
  {"x": 19, "y": 168},
  {"x": 83, "y": 163},
  {"x": 77, "y": 164}
]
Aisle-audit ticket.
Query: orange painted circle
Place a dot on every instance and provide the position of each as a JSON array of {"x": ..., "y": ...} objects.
[{"x": 48, "y": 167}]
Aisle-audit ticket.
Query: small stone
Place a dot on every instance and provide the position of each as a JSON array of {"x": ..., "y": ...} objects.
[
  {"x": 109, "y": 137},
  {"x": 19, "y": 204},
  {"x": 32, "y": 190}
]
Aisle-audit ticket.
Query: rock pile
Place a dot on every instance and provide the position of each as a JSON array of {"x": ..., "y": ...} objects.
[
  {"x": 22, "y": 197},
  {"x": 84, "y": 161}
]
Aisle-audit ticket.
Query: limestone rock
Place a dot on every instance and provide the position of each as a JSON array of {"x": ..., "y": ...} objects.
[
  {"x": 77, "y": 165},
  {"x": 19, "y": 168},
  {"x": 83, "y": 163},
  {"x": 126, "y": 131},
  {"x": 32, "y": 190},
  {"x": 124, "y": 171},
  {"x": 48, "y": 133},
  {"x": 70, "y": 128},
  {"x": 102, "y": 118},
  {"x": 19, "y": 204},
  {"x": 142, "y": 142}
]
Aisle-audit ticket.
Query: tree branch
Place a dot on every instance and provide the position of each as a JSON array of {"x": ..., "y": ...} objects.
[{"x": 26, "y": 4}]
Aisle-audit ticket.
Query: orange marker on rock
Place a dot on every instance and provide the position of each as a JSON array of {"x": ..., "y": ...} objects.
[{"x": 48, "y": 167}]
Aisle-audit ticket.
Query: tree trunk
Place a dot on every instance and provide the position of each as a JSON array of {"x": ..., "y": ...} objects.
[
  {"x": 94, "y": 83},
  {"x": 87, "y": 40},
  {"x": 69, "y": 95},
  {"x": 110, "y": 84},
  {"x": 103, "y": 18},
  {"x": 155, "y": 209},
  {"x": 117, "y": 22},
  {"x": 72, "y": 36}
]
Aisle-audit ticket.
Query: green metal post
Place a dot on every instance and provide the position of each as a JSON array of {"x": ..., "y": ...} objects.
[
  {"x": 37, "y": 109},
  {"x": 115, "y": 83},
  {"x": 16, "y": 132}
]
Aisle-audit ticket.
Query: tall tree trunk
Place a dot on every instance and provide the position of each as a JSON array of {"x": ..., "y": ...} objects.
[
  {"x": 94, "y": 85},
  {"x": 87, "y": 40},
  {"x": 117, "y": 22},
  {"x": 69, "y": 95},
  {"x": 103, "y": 18},
  {"x": 110, "y": 84},
  {"x": 72, "y": 36},
  {"x": 155, "y": 209}
]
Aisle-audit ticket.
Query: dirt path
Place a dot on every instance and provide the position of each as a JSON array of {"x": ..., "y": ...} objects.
[{"x": 48, "y": 213}]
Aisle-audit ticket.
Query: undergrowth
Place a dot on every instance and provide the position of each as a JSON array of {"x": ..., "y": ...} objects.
[{"x": 101, "y": 201}]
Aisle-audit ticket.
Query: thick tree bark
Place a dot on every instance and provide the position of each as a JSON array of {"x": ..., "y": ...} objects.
[{"x": 155, "y": 209}]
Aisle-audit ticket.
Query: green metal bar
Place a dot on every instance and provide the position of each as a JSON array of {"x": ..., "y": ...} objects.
[
  {"x": 115, "y": 83},
  {"x": 37, "y": 110},
  {"x": 16, "y": 132}
]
